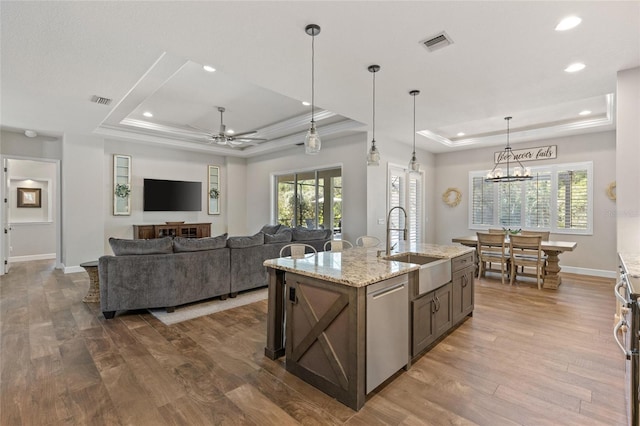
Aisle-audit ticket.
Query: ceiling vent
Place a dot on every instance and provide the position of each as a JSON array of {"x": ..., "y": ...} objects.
[
  {"x": 100, "y": 100},
  {"x": 437, "y": 42}
]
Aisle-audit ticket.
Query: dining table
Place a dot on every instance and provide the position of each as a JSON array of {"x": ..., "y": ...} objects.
[{"x": 552, "y": 249}]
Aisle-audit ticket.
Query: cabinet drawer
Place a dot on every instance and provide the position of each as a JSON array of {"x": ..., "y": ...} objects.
[{"x": 461, "y": 262}]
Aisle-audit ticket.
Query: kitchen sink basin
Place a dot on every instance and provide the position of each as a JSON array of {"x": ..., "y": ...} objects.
[{"x": 434, "y": 272}]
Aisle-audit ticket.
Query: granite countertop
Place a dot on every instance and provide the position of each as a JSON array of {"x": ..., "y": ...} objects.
[
  {"x": 359, "y": 267},
  {"x": 632, "y": 263}
]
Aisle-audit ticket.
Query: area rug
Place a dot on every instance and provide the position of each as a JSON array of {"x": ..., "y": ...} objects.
[{"x": 195, "y": 310}]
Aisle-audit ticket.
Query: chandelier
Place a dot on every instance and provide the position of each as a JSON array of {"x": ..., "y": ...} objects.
[{"x": 515, "y": 170}]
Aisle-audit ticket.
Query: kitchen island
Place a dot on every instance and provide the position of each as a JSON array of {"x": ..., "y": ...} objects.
[{"x": 354, "y": 319}]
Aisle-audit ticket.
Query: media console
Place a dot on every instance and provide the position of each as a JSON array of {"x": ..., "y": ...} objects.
[{"x": 186, "y": 230}]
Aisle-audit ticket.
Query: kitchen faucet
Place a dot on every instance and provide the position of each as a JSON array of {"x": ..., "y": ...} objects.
[{"x": 404, "y": 230}]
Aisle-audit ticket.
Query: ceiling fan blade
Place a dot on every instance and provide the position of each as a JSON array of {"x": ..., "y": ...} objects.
[
  {"x": 244, "y": 133},
  {"x": 249, "y": 139}
]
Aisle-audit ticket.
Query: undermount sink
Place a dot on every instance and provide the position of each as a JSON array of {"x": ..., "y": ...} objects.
[{"x": 434, "y": 271}]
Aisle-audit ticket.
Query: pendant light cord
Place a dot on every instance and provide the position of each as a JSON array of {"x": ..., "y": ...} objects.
[
  {"x": 414, "y": 125},
  {"x": 313, "y": 75},
  {"x": 373, "y": 141}
]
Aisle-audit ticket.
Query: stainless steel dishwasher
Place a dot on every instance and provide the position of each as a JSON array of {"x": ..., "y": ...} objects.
[{"x": 387, "y": 329}]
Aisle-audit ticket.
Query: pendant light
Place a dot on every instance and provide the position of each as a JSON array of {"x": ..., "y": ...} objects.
[
  {"x": 519, "y": 172},
  {"x": 312, "y": 141},
  {"x": 414, "y": 166},
  {"x": 373, "y": 157}
]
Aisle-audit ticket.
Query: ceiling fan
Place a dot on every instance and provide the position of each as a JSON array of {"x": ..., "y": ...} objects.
[{"x": 235, "y": 140}]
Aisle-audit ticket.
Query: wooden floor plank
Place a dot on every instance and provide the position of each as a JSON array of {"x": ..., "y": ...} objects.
[{"x": 526, "y": 357}]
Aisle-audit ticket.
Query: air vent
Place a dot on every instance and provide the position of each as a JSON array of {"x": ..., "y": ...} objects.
[
  {"x": 437, "y": 42},
  {"x": 100, "y": 100}
]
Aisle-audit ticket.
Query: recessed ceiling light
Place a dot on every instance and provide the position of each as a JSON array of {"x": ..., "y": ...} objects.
[
  {"x": 305, "y": 103},
  {"x": 147, "y": 114},
  {"x": 568, "y": 23},
  {"x": 585, "y": 112},
  {"x": 461, "y": 134},
  {"x": 578, "y": 66},
  {"x": 209, "y": 68}
]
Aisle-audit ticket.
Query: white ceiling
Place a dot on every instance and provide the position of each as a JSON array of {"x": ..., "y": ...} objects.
[{"x": 506, "y": 59}]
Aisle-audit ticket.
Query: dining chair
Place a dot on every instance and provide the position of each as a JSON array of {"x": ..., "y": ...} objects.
[
  {"x": 491, "y": 248},
  {"x": 368, "y": 241},
  {"x": 497, "y": 231},
  {"x": 298, "y": 250},
  {"x": 544, "y": 234},
  {"x": 545, "y": 237},
  {"x": 526, "y": 250},
  {"x": 337, "y": 245}
]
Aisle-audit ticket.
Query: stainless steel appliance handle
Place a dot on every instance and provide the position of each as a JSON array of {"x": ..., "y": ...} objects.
[
  {"x": 617, "y": 328},
  {"x": 617, "y": 293},
  {"x": 386, "y": 291}
]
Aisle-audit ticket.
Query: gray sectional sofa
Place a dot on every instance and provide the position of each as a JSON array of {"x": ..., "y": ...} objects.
[{"x": 168, "y": 272}]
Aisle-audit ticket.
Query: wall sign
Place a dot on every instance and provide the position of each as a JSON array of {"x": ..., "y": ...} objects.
[{"x": 528, "y": 154}]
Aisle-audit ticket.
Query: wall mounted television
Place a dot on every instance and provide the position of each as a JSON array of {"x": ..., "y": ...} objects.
[{"x": 172, "y": 195}]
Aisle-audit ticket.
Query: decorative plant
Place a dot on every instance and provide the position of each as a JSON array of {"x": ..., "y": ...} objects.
[
  {"x": 214, "y": 193},
  {"x": 122, "y": 190},
  {"x": 512, "y": 231}
]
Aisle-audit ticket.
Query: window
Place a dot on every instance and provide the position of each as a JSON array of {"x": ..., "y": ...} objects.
[
  {"x": 558, "y": 198},
  {"x": 311, "y": 199},
  {"x": 405, "y": 190}
]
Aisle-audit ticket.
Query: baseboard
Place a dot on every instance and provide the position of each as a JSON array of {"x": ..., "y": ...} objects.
[
  {"x": 586, "y": 271},
  {"x": 45, "y": 256},
  {"x": 73, "y": 269}
]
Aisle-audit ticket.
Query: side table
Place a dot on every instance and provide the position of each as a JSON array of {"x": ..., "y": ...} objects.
[{"x": 93, "y": 295}]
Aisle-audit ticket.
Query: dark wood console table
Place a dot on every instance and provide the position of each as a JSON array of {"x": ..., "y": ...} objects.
[{"x": 186, "y": 230}]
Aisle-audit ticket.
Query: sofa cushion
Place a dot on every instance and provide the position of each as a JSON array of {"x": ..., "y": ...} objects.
[
  {"x": 181, "y": 244},
  {"x": 122, "y": 247},
  {"x": 242, "y": 242},
  {"x": 304, "y": 234},
  {"x": 282, "y": 236},
  {"x": 270, "y": 229}
]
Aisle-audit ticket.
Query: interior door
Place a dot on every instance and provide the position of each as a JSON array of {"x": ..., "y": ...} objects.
[{"x": 6, "y": 233}]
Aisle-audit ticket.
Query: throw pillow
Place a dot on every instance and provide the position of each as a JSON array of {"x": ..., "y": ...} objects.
[
  {"x": 304, "y": 234},
  {"x": 279, "y": 237},
  {"x": 242, "y": 242},
  {"x": 123, "y": 247},
  {"x": 181, "y": 244},
  {"x": 270, "y": 229}
]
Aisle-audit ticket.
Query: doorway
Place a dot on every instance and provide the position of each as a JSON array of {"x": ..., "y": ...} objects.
[{"x": 31, "y": 212}]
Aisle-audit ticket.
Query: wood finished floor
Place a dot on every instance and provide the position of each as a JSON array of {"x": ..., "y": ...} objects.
[{"x": 526, "y": 357}]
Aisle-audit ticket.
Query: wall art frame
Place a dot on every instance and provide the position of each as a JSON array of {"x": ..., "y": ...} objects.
[
  {"x": 213, "y": 189},
  {"x": 121, "y": 185},
  {"x": 30, "y": 197}
]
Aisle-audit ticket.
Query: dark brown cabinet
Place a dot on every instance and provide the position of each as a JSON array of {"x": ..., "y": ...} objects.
[
  {"x": 462, "y": 287},
  {"x": 186, "y": 230},
  {"x": 432, "y": 317},
  {"x": 435, "y": 313}
]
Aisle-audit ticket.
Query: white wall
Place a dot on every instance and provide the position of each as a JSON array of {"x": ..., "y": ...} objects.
[
  {"x": 348, "y": 152},
  {"x": 17, "y": 144},
  {"x": 627, "y": 157},
  {"x": 158, "y": 163},
  {"x": 235, "y": 181},
  {"x": 594, "y": 253},
  {"x": 82, "y": 200}
]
